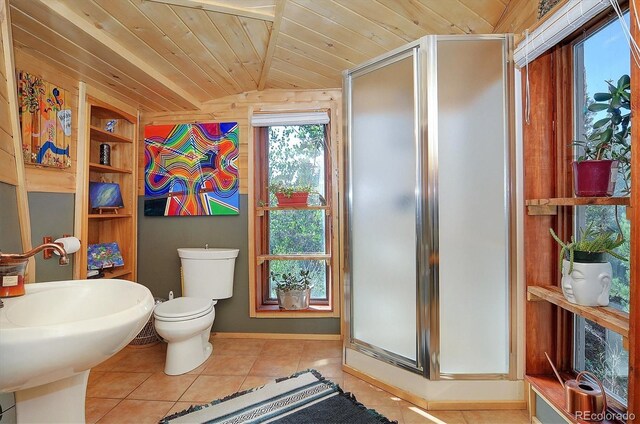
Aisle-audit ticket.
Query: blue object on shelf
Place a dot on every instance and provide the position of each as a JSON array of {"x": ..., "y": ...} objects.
[{"x": 104, "y": 255}]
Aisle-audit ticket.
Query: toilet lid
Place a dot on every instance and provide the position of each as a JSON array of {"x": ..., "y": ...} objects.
[{"x": 183, "y": 307}]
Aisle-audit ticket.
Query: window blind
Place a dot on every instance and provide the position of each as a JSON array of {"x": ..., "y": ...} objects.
[
  {"x": 569, "y": 17},
  {"x": 290, "y": 118}
]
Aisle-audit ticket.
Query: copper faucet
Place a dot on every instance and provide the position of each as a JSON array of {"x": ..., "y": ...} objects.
[
  {"x": 18, "y": 257},
  {"x": 13, "y": 258}
]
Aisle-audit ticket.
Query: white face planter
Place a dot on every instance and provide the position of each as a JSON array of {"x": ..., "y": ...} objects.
[{"x": 588, "y": 284}]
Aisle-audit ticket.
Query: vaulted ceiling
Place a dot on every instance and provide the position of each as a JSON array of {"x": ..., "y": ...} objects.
[{"x": 177, "y": 54}]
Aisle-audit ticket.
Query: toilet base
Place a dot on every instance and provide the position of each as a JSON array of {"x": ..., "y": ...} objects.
[{"x": 189, "y": 354}]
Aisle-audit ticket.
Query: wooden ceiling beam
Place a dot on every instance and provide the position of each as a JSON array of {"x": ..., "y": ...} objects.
[
  {"x": 113, "y": 47},
  {"x": 273, "y": 40},
  {"x": 256, "y": 12}
]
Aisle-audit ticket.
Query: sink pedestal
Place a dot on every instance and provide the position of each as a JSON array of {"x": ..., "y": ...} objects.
[
  {"x": 59, "y": 402},
  {"x": 53, "y": 335}
]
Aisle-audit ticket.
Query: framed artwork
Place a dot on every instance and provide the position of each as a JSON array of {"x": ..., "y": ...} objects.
[
  {"x": 45, "y": 122},
  {"x": 191, "y": 169},
  {"x": 105, "y": 195},
  {"x": 104, "y": 255}
]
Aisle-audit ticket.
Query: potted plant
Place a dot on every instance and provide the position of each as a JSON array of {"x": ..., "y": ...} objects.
[
  {"x": 607, "y": 147},
  {"x": 586, "y": 273},
  {"x": 294, "y": 291},
  {"x": 290, "y": 195}
]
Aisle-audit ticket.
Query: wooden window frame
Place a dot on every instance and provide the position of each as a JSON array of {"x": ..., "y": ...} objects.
[
  {"x": 548, "y": 175},
  {"x": 260, "y": 305}
]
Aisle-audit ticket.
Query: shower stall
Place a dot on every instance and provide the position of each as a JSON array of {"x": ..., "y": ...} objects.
[{"x": 429, "y": 222}]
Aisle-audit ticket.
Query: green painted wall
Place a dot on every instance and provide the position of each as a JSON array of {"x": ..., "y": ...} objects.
[
  {"x": 10, "y": 241},
  {"x": 159, "y": 268},
  {"x": 51, "y": 215}
]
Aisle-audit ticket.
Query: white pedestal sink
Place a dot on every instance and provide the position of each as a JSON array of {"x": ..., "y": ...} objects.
[{"x": 53, "y": 335}]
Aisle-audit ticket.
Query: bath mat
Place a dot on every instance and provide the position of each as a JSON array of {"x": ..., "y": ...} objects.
[{"x": 303, "y": 398}]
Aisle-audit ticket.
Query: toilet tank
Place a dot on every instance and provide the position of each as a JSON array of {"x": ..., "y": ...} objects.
[{"x": 207, "y": 272}]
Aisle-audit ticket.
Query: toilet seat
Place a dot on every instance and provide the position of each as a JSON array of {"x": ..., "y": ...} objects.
[{"x": 183, "y": 309}]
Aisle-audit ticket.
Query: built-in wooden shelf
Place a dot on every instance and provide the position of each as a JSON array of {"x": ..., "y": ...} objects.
[
  {"x": 106, "y": 169},
  {"x": 305, "y": 257},
  {"x": 549, "y": 206},
  {"x": 109, "y": 215},
  {"x": 606, "y": 316},
  {"x": 106, "y": 112},
  {"x": 102, "y": 136},
  {"x": 548, "y": 387},
  {"x": 102, "y": 225},
  {"x": 117, "y": 272}
]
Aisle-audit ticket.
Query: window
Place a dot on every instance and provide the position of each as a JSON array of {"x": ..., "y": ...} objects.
[
  {"x": 288, "y": 239},
  {"x": 602, "y": 56}
]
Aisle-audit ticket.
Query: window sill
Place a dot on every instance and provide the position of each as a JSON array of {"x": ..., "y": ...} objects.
[
  {"x": 549, "y": 389},
  {"x": 314, "y": 311}
]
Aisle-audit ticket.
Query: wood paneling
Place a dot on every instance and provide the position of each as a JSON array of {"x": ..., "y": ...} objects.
[
  {"x": 519, "y": 15},
  {"x": 119, "y": 21},
  {"x": 7, "y": 152},
  {"x": 37, "y": 39},
  {"x": 71, "y": 29},
  {"x": 173, "y": 55},
  {"x": 8, "y": 168},
  {"x": 147, "y": 31},
  {"x": 7, "y": 156},
  {"x": 349, "y": 19},
  {"x": 237, "y": 109},
  {"x": 208, "y": 35}
]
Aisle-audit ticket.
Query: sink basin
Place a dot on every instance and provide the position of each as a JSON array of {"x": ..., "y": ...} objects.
[{"x": 52, "y": 336}]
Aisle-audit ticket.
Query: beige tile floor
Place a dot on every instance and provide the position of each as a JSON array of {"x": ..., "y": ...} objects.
[{"x": 132, "y": 388}]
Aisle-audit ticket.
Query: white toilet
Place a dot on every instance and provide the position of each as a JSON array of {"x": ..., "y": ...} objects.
[{"x": 185, "y": 322}]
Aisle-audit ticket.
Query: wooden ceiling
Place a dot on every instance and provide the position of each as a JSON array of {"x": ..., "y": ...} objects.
[{"x": 169, "y": 55}]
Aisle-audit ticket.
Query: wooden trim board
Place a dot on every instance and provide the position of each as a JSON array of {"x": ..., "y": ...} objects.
[
  {"x": 436, "y": 405},
  {"x": 276, "y": 336},
  {"x": 82, "y": 181},
  {"x": 634, "y": 258},
  {"x": 12, "y": 93},
  {"x": 220, "y": 7},
  {"x": 271, "y": 45}
]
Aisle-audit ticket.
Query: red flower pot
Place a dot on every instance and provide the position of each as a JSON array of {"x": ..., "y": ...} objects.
[
  {"x": 594, "y": 178},
  {"x": 296, "y": 199}
]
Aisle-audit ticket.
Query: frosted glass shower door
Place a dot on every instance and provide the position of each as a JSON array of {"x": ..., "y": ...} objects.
[
  {"x": 382, "y": 216},
  {"x": 473, "y": 206}
]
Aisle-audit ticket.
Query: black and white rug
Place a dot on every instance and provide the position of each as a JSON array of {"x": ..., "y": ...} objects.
[{"x": 304, "y": 398}]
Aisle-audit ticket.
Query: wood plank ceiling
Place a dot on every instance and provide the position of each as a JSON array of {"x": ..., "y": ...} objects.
[{"x": 169, "y": 55}]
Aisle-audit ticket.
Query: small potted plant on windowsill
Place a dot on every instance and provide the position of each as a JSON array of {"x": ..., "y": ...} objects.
[
  {"x": 586, "y": 273},
  {"x": 290, "y": 195},
  {"x": 607, "y": 147},
  {"x": 294, "y": 291}
]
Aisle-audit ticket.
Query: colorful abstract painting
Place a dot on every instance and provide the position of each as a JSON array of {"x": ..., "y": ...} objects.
[
  {"x": 104, "y": 255},
  {"x": 46, "y": 122},
  {"x": 191, "y": 169}
]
